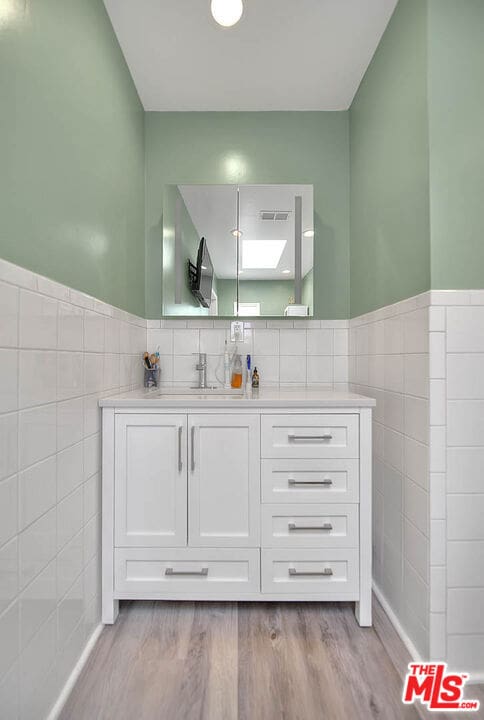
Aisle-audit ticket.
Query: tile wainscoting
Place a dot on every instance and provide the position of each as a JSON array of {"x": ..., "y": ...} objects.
[
  {"x": 389, "y": 360},
  {"x": 457, "y": 477},
  {"x": 286, "y": 352},
  {"x": 423, "y": 361},
  {"x": 59, "y": 351}
]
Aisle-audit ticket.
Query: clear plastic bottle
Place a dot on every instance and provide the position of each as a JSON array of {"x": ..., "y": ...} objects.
[{"x": 237, "y": 372}]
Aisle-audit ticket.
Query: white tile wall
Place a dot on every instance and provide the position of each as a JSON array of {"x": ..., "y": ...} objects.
[
  {"x": 389, "y": 360},
  {"x": 286, "y": 352},
  {"x": 463, "y": 331},
  {"x": 423, "y": 361},
  {"x": 59, "y": 350}
]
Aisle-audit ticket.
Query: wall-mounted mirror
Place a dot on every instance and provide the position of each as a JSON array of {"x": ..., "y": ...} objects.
[{"x": 233, "y": 250}]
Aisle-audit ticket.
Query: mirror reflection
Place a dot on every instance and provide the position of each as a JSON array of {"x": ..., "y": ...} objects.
[{"x": 238, "y": 250}]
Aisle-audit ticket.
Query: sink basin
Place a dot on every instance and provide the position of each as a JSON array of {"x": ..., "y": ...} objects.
[
  {"x": 205, "y": 396},
  {"x": 182, "y": 393}
]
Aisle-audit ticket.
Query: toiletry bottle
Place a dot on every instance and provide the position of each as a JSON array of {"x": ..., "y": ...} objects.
[
  {"x": 226, "y": 367},
  {"x": 255, "y": 379},
  {"x": 237, "y": 372}
]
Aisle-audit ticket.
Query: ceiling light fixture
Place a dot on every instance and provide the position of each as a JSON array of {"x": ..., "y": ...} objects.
[
  {"x": 236, "y": 233},
  {"x": 308, "y": 233},
  {"x": 286, "y": 272},
  {"x": 227, "y": 12}
]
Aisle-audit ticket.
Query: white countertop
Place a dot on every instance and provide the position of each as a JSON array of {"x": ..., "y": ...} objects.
[{"x": 266, "y": 398}]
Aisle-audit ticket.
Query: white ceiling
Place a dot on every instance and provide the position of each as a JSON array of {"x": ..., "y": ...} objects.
[
  {"x": 282, "y": 55},
  {"x": 212, "y": 209}
]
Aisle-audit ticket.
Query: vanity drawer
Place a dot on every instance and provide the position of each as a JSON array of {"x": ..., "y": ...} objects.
[
  {"x": 326, "y": 480},
  {"x": 310, "y": 526},
  {"x": 326, "y": 573},
  {"x": 140, "y": 572},
  {"x": 309, "y": 436}
]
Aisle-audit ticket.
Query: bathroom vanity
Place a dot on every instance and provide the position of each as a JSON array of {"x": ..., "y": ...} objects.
[{"x": 213, "y": 497}]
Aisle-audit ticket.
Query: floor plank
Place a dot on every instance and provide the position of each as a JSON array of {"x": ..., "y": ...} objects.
[{"x": 237, "y": 661}]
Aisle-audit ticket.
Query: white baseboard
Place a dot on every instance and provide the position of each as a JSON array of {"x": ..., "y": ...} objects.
[
  {"x": 414, "y": 654},
  {"x": 72, "y": 679},
  {"x": 475, "y": 679}
]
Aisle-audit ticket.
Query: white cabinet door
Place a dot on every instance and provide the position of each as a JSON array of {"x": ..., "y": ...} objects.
[
  {"x": 150, "y": 480},
  {"x": 224, "y": 480}
]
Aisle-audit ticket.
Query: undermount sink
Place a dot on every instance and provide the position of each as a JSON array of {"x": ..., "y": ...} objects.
[{"x": 207, "y": 392}]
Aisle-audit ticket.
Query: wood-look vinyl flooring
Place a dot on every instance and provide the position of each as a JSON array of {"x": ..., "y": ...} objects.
[{"x": 238, "y": 661}]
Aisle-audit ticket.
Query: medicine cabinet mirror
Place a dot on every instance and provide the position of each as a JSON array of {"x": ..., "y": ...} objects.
[{"x": 238, "y": 250}]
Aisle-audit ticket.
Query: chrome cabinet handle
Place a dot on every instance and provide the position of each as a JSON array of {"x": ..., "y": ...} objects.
[
  {"x": 170, "y": 571},
  {"x": 326, "y": 436},
  {"x": 326, "y": 481},
  {"x": 180, "y": 457},
  {"x": 324, "y": 526},
  {"x": 193, "y": 447},
  {"x": 326, "y": 572}
]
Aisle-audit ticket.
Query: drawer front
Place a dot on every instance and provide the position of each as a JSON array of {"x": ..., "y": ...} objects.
[
  {"x": 151, "y": 570},
  {"x": 326, "y": 481},
  {"x": 319, "y": 572},
  {"x": 310, "y": 526},
  {"x": 310, "y": 436}
]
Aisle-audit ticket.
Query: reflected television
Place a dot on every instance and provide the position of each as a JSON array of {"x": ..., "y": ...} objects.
[{"x": 200, "y": 276}]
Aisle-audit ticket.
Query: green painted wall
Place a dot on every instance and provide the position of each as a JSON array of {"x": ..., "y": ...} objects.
[
  {"x": 273, "y": 295},
  {"x": 456, "y": 122},
  {"x": 267, "y": 147},
  {"x": 71, "y": 151},
  {"x": 389, "y": 146}
]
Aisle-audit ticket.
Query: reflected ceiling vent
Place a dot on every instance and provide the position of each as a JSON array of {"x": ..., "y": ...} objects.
[{"x": 274, "y": 214}]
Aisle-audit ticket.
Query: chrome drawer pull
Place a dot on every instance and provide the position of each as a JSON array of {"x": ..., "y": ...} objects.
[
  {"x": 325, "y": 526},
  {"x": 326, "y": 436},
  {"x": 326, "y": 572},
  {"x": 326, "y": 481},
  {"x": 180, "y": 457},
  {"x": 193, "y": 448},
  {"x": 171, "y": 571}
]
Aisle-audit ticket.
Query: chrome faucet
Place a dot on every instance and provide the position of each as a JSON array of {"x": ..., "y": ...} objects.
[{"x": 202, "y": 370}]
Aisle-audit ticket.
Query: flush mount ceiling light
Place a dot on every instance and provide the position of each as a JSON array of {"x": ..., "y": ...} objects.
[
  {"x": 227, "y": 12},
  {"x": 262, "y": 254},
  {"x": 236, "y": 233},
  {"x": 286, "y": 272},
  {"x": 308, "y": 233}
]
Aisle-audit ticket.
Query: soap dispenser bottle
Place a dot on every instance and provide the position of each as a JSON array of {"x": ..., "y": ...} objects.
[{"x": 237, "y": 372}]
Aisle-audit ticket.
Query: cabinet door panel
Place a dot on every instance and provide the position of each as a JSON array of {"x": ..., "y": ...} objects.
[
  {"x": 151, "y": 480},
  {"x": 224, "y": 480}
]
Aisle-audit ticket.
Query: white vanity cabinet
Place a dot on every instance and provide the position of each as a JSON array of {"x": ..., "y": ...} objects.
[
  {"x": 224, "y": 481},
  {"x": 150, "y": 500},
  {"x": 237, "y": 499}
]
